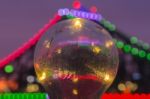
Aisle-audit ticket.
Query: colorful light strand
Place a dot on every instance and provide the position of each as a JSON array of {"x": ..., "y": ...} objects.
[
  {"x": 132, "y": 50},
  {"x": 32, "y": 41},
  {"x": 29, "y": 44},
  {"x": 80, "y": 14},
  {"x": 9, "y": 69}
]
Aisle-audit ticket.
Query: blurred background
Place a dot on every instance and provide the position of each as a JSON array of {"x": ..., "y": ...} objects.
[{"x": 21, "y": 19}]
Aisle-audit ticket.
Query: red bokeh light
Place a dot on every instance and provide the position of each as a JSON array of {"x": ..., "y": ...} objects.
[
  {"x": 93, "y": 9},
  {"x": 76, "y": 4}
]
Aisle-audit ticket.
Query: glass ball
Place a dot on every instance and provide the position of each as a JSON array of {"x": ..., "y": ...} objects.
[{"x": 76, "y": 59}]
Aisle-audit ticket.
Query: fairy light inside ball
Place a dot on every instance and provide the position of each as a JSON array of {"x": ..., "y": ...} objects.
[
  {"x": 81, "y": 60},
  {"x": 77, "y": 24}
]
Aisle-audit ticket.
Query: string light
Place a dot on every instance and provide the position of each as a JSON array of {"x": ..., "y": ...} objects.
[
  {"x": 134, "y": 40},
  {"x": 148, "y": 56},
  {"x": 108, "y": 25},
  {"x": 9, "y": 68},
  {"x": 120, "y": 44},
  {"x": 134, "y": 51},
  {"x": 146, "y": 46},
  {"x": 93, "y": 9},
  {"x": 80, "y": 14},
  {"x": 77, "y": 4},
  {"x": 39, "y": 34},
  {"x": 28, "y": 44},
  {"x": 142, "y": 54},
  {"x": 127, "y": 48},
  {"x": 23, "y": 96}
]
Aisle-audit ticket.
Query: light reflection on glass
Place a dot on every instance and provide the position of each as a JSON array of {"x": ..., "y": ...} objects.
[{"x": 81, "y": 62}]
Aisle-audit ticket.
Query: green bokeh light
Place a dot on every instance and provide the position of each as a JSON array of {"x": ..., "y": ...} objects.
[
  {"x": 134, "y": 40},
  {"x": 146, "y": 46},
  {"x": 102, "y": 21},
  {"x": 9, "y": 68},
  {"x": 127, "y": 48},
  {"x": 120, "y": 44},
  {"x": 70, "y": 17},
  {"x": 112, "y": 27},
  {"x": 148, "y": 56},
  {"x": 107, "y": 24},
  {"x": 134, "y": 51},
  {"x": 142, "y": 54}
]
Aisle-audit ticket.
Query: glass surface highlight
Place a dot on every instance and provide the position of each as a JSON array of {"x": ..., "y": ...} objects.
[{"x": 76, "y": 59}]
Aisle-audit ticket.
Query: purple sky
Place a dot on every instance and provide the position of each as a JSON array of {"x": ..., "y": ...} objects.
[{"x": 21, "y": 19}]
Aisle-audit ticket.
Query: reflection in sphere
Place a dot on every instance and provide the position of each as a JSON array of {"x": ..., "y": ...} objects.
[{"x": 76, "y": 59}]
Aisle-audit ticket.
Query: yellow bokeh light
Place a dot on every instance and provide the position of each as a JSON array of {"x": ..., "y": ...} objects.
[
  {"x": 75, "y": 80},
  {"x": 42, "y": 77},
  {"x": 77, "y": 24},
  {"x": 121, "y": 87},
  {"x": 96, "y": 49},
  {"x": 47, "y": 44},
  {"x": 75, "y": 91},
  {"x": 107, "y": 77},
  {"x": 109, "y": 44},
  {"x": 59, "y": 51},
  {"x": 32, "y": 88}
]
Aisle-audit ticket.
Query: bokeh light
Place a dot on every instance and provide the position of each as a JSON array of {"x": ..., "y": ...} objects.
[
  {"x": 134, "y": 51},
  {"x": 77, "y": 4},
  {"x": 80, "y": 62},
  {"x": 9, "y": 68},
  {"x": 93, "y": 9},
  {"x": 120, "y": 44},
  {"x": 127, "y": 48},
  {"x": 134, "y": 40}
]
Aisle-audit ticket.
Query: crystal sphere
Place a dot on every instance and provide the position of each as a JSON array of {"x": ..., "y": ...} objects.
[{"x": 76, "y": 59}]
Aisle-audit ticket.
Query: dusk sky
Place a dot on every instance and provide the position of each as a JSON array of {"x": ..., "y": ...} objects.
[{"x": 21, "y": 19}]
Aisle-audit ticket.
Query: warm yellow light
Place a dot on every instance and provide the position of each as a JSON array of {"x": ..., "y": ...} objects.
[
  {"x": 109, "y": 44},
  {"x": 96, "y": 49},
  {"x": 47, "y": 44},
  {"x": 42, "y": 77},
  {"x": 107, "y": 77},
  {"x": 75, "y": 91},
  {"x": 77, "y": 24},
  {"x": 32, "y": 88},
  {"x": 121, "y": 87},
  {"x": 75, "y": 80},
  {"x": 59, "y": 51}
]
